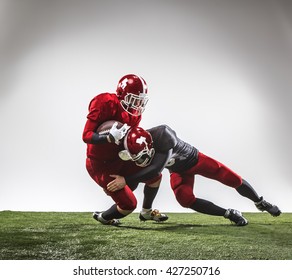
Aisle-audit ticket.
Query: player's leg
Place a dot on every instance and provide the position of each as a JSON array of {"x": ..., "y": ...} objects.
[
  {"x": 110, "y": 216},
  {"x": 246, "y": 190},
  {"x": 126, "y": 203},
  {"x": 213, "y": 169},
  {"x": 150, "y": 191},
  {"x": 182, "y": 186}
]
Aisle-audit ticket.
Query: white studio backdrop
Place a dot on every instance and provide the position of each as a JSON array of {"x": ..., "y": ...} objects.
[{"x": 218, "y": 73}]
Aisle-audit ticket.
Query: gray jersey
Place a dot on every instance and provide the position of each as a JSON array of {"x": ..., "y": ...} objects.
[{"x": 184, "y": 155}]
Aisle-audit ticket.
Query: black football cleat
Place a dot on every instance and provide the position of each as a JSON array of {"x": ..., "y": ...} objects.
[
  {"x": 236, "y": 217},
  {"x": 263, "y": 205},
  {"x": 98, "y": 217}
]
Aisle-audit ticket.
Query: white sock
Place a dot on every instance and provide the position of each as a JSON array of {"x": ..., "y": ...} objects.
[{"x": 146, "y": 210}]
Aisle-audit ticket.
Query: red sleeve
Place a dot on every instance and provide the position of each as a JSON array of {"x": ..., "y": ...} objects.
[
  {"x": 89, "y": 129},
  {"x": 101, "y": 108}
]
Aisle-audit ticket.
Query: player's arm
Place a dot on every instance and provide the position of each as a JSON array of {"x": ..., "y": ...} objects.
[
  {"x": 153, "y": 170},
  {"x": 95, "y": 117},
  {"x": 91, "y": 137},
  {"x": 101, "y": 108},
  {"x": 145, "y": 174}
]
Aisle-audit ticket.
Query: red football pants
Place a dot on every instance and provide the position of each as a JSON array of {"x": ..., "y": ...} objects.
[
  {"x": 100, "y": 172},
  {"x": 183, "y": 183}
]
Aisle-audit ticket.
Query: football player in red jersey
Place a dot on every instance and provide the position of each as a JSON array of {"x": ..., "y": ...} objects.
[
  {"x": 146, "y": 148},
  {"x": 125, "y": 106}
]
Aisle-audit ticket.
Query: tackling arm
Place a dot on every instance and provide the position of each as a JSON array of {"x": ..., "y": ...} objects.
[{"x": 153, "y": 170}]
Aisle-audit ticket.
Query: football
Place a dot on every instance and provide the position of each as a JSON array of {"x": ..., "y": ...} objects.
[{"x": 105, "y": 127}]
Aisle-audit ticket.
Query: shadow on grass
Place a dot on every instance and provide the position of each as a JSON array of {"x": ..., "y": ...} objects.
[{"x": 169, "y": 226}]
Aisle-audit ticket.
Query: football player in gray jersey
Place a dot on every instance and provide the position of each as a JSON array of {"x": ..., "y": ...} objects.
[{"x": 165, "y": 150}]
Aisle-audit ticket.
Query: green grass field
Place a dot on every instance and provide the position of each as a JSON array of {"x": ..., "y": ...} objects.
[{"x": 187, "y": 236}]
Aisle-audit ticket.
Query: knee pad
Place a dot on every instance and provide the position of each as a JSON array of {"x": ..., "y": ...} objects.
[
  {"x": 185, "y": 196},
  {"x": 129, "y": 205},
  {"x": 183, "y": 191},
  {"x": 125, "y": 199}
]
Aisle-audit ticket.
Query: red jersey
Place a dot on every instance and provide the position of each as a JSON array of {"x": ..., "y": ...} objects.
[{"x": 105, "y": 107}]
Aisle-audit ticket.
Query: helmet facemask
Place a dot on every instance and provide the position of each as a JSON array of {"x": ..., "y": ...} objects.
[
  {"x": 135, "y": 104},
  {"x": 144, "y": 157}
]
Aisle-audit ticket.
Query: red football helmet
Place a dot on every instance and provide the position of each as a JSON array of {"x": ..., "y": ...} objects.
[
  {"x": 132, "y": 93},
  {"x": 139, "y": 147}
]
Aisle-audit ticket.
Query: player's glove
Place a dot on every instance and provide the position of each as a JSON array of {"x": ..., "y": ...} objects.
[{"x": 116, "y": 134}]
